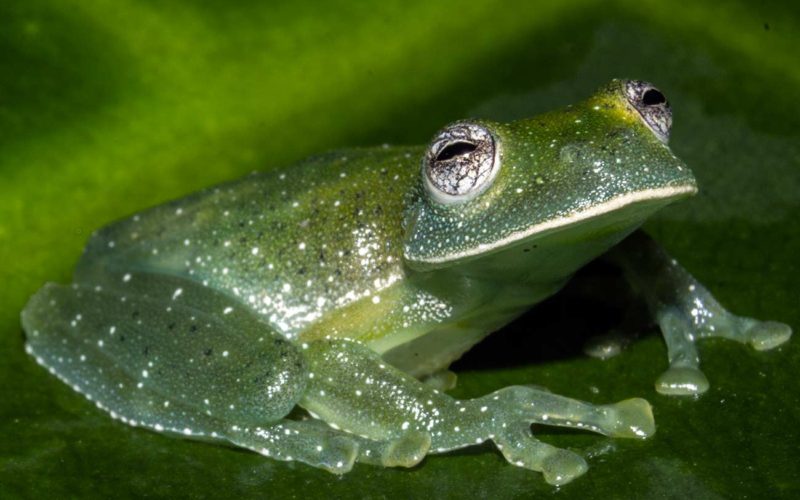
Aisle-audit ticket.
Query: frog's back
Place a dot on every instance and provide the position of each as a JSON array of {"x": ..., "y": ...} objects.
[{"x": 292, "y": 244}]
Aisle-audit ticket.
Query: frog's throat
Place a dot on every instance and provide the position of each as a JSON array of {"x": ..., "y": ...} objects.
[{"x": 664, "y": 194}]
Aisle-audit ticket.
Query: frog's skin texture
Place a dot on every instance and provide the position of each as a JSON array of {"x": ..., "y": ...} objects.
[{"x": 338, "y": 284}]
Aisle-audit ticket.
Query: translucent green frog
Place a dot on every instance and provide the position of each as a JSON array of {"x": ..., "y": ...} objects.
[{"x": 347, "y": 284}]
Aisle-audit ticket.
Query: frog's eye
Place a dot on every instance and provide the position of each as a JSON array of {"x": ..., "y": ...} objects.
[
  {"x": 652, "y": 107},
  {"x": 460, "y": 163}
]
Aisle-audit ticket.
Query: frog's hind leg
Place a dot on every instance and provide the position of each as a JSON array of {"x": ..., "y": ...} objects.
[
  {"x": 350, "y": 386},
  {"x": 686, "y": 311},
  {"x": 315, "y": 443},
  {"x": 190, "y": 363}
]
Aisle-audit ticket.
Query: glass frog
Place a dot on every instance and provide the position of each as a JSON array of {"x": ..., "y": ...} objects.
[{"x": 311, "y": 313}]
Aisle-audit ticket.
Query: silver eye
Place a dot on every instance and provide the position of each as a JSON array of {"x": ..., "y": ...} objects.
[
  {"x": 652, "y": 107},
  {"x": 460, "y": 163}
]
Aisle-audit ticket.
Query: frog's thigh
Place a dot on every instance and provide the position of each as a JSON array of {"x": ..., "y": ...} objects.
[
  {"x": 351, "y": 387},
  {"x": 181, "y": 366},
  {"x": 686, "y": 311}
]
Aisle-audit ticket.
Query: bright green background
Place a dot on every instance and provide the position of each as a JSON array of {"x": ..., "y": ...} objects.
[{"x": 107, "y": 107}]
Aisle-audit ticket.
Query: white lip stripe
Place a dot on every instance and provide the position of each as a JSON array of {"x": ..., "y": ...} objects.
[{"x": 609, "y": 206}]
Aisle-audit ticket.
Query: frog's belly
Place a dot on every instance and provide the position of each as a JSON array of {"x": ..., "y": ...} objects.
[{"x": 436, "y": 349}]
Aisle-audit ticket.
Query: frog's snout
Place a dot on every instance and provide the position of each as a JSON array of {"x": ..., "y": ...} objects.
[{"x": 652, "y": 106}]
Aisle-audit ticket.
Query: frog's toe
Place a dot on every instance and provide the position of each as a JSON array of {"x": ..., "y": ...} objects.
[
  {"x": 407, "y": 450},
  {"x": 337, "y": 455},
  {"x": 631, "y": 418},
  {"x": 682, "y": 381},
  {"x": 765, "y": 335},
  {"x": 562, "y": 466},
  {"x": 606, "y": 346},
  {"x": 522, "y": 449}
]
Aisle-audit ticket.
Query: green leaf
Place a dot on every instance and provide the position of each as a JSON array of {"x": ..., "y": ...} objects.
[{"x": 107, "y": 107}]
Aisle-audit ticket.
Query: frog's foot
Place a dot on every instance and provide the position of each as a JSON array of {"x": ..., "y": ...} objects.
[
  {"x": 686, "y": 312},
  {"x": 612, "y": 344},
  {"x": 607, "y": 346},
  {"x": 705, "y": 317},
  {"x": 632, "y": 418},
  {"x": 363, "y": 395},
  {"x": 682, "y": 326},
  {"x": 519, "y": 447}
]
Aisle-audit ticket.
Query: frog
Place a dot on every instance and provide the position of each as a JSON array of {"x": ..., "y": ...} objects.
[{"x": 311, "y": 313}]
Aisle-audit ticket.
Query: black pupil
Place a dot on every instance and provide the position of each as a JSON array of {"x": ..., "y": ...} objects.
[
  {"x": 455, "y": 149},
  {"x": 653, "y": 97}
]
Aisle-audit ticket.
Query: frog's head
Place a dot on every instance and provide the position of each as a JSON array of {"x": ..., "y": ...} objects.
[{"x": 589, "y": 173}]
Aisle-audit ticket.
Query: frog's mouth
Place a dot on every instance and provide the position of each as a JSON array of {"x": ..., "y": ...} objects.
[{"x": 625, "y": 206}]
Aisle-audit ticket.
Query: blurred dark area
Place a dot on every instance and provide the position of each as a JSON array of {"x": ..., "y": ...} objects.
[{"x": 596, "y": 302}]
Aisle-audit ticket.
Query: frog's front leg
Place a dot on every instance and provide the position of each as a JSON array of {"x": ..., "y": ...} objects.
[
  {"x": 686, "y": 311},
  {"x": 352, "y": 388}
]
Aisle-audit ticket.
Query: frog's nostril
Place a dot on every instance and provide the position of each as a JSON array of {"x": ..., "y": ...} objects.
[{"x": 653, "y": 97}]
